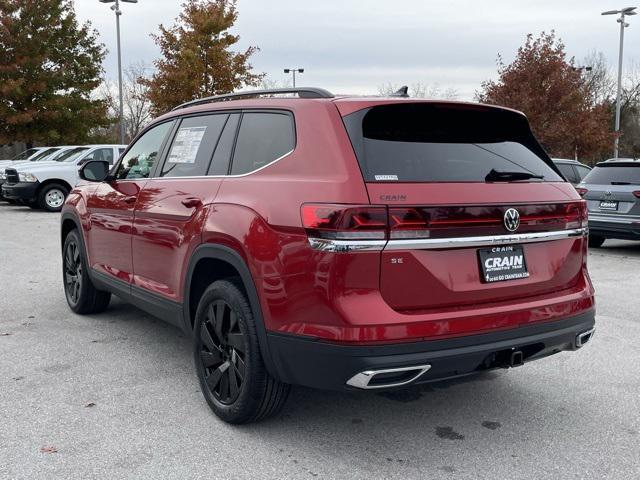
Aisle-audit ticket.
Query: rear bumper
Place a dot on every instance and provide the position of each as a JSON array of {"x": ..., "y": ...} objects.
[
  {"x": 615, "y": 226},
  {"x": 318, "y": 364},
  {"x": 20, "y": 191}
]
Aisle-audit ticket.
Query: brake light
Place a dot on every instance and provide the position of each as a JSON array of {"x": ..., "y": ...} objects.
[
  {"x": 576, "y": 215},
  {"x": 408, "y": 223},
  {"x": 345, "y": 222},
  {"x": 582, "y": 191},
  {"x": 637, "y": 193}
]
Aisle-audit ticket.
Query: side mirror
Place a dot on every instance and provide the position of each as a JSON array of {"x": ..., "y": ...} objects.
[{"x": 95, "y": 170}]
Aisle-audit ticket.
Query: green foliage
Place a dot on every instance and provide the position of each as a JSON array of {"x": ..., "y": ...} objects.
[
  {"x": 49, "y": 67},
  {"x": 198, "y": 59}
]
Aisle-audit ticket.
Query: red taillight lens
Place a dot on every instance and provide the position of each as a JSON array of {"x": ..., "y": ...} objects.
[
  {"x": 582, "y": 191},
  {"x": 408, "y": 223},
  {"x": 345, "y": 222},
  {"x": 576, "y": 215},
  {"x": 637, "y": 193}
]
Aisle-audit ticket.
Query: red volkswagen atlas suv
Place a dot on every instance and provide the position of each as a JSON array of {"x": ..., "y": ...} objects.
[{"x": 335, "y": 242}]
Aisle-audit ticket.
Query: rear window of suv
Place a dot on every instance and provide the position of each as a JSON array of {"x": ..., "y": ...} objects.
[
  {"x": 430, "y": 142},
  {"x": 614, "y": 174}
]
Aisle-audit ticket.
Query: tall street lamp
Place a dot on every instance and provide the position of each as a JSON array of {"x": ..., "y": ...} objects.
[
  {"x": 118, "y": 12},
  {"x": 624, "y": 12},
  {"x": 293, "y": 71}
]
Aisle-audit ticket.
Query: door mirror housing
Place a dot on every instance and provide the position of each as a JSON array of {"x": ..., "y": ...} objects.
[{"x": 95, "y": 170}]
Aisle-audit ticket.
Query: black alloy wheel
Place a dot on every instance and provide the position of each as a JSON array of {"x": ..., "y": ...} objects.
[
  {"x": 222, "y": 352},
  {"x": 72, "y": 272}
]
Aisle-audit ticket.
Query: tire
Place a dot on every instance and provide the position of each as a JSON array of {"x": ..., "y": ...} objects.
[
  {"x": 596, "y": 241},
  {"x": 82, "y": 296},
  {"x": 52, "y": 196},
  {"x": 232, "y": 375}
]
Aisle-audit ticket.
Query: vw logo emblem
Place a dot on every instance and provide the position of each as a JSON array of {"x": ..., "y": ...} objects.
[{"x": 511, "y": 219}]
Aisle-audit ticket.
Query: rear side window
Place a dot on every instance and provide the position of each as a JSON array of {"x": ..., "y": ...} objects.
[
  {"x": 193, "y": 146},
  {"x": 222, "y": 155},
  {"x": 614, "y": 174},
  {"x": 582, "y": 171},
  {"x": 263, "y": 138},
  {"x": 429, "y": 142},
  {"x": 568, "y": 171}
]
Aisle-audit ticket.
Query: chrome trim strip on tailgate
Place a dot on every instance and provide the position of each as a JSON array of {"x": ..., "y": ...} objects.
[
  {"x": 342, "y": 246},
  {"x": 490, "y": 240},
  {"x": 614, "y": 218}
]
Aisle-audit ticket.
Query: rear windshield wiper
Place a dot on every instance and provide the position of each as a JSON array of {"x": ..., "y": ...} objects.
[{"x": 506, "y": 176}]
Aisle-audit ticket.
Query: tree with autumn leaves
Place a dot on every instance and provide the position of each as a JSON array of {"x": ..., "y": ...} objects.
[
  {"x": 546, "y": 86},
  {"x": 49, "y": 66},
  {"x": 198, "y": 59}
]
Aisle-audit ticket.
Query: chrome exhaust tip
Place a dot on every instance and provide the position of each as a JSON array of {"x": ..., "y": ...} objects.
[
  {"x": 391, "y": 377},
  {"x": 584, "y": 337}
]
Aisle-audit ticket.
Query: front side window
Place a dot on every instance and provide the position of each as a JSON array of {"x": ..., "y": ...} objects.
[
  {"x": 193, "y": 145},
  {"x": 141, "y": 157},
  {"x": 102, "y": 154},
  {"x": 263, "y": 138}
]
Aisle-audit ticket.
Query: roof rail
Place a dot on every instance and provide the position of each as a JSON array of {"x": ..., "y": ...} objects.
[{"x": 302, "y": 92}]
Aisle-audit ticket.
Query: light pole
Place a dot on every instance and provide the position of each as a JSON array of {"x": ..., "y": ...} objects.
[
  {"x": 118, "y": 12},
  {"x": 293, "y": 71},
  {"x": 624, "y": 12}
]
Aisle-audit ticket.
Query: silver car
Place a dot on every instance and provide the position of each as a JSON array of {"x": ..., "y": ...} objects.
[{"x": 612, "y": 191}]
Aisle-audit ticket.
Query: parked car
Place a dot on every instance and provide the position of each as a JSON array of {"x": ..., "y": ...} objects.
[
  {"x": 335, "y": 242},
  {"x": 612, "y": 192},
  {"x": 46, "y": 184},
  {"x": 573, "y": 170},
  {"x": 42, "y": 154}
]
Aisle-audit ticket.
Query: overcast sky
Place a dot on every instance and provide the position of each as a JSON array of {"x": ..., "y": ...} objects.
[{"x": 353, "y": 46}]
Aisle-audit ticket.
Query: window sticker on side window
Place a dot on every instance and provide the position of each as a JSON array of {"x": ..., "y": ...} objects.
[
  {"x": 185, "y": 146},
  {"x": 386, "y": 177}
]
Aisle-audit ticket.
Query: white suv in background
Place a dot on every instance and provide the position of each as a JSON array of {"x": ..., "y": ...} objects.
[{"x": 46, "y": 184}]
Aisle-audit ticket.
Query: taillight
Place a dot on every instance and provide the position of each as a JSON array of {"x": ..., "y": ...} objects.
[
  {"x": 345, "y": 222},
  {"x": 637, "y": 193},
  {"x": 576, "y": 215},
  {"x": 582, "y": 191},
  {"x": 408, "y": 223}
]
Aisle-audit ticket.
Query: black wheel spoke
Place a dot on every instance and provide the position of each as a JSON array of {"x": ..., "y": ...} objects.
[
  {"x": 236, "y": 341},
  {"x": 211, "y": 359},
  {"x": 238, "y": 364},
  {"x": 214, "y": 379},
  {"x": 219, "y": 319},
  {"x": 234, "y": 386},
  {"x": 207, "y": 339},
  {"x": 224, "y": 385}
]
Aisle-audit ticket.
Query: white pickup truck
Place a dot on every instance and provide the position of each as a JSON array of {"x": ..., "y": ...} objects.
[{"x": 46, "y": 184}]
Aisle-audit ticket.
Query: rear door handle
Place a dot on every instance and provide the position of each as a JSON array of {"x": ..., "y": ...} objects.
[
  {"x": 129, "y": 199},
  {"x": 192, "y": 202}
]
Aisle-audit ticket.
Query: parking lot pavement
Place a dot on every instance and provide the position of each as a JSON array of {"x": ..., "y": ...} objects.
[{"x": 115, "y": 396}]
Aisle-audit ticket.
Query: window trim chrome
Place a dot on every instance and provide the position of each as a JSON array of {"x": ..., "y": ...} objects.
[{"x": 344, "y": 246}]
